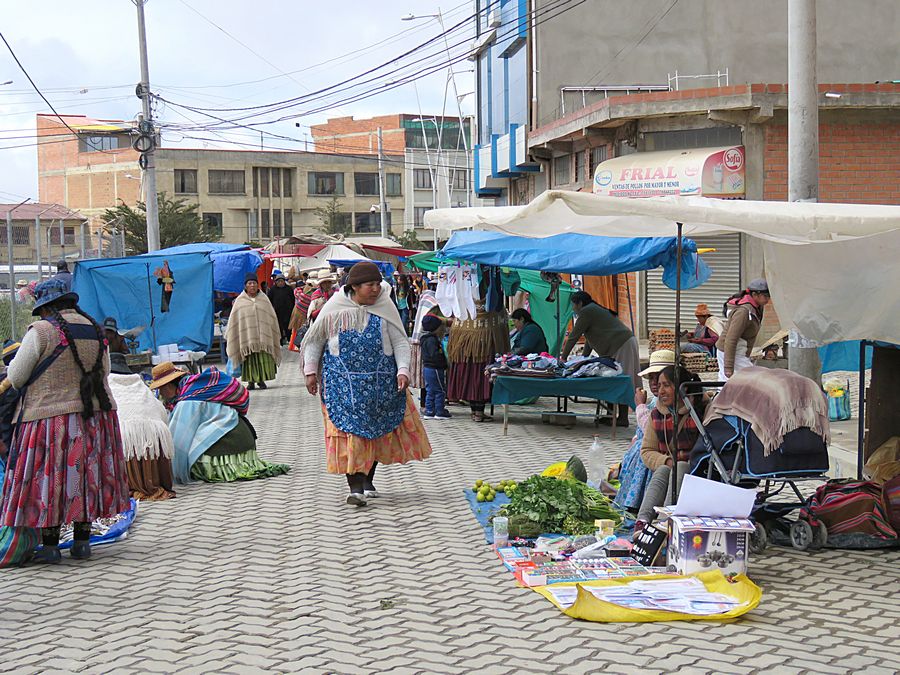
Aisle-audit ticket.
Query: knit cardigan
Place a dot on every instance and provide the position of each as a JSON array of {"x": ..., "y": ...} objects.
[
  {"x": 252, "y": 328},
  {"x": 57, "y": 390}
]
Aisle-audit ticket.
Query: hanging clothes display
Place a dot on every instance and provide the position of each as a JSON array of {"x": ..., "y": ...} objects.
[{"x": 457, "y": 290}]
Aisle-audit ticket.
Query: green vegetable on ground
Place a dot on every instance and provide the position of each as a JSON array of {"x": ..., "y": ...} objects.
[{"x": 548, "y": 501}]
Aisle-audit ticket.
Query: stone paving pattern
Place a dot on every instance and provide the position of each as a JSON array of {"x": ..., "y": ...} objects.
[{"x": 280, "y": 575}]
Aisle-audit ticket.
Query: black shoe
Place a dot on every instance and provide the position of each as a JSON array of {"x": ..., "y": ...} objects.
[
  {"x": 47, "y": 554},
  {"x": 251, "y": 386},
  {"x": 81, "y": 550},
  {"x": 262, "y": 385}
]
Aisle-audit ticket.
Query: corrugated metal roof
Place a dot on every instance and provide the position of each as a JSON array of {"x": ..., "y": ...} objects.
[{"x": 31, "y": 211}]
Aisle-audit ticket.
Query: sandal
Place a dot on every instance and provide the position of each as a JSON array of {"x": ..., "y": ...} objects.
[{"x": 481, "y": 417}]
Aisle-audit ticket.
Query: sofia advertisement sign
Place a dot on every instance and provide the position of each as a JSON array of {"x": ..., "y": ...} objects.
[{"x": 707, "y": 172}]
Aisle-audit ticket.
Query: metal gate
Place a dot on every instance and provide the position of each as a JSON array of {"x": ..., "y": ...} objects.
[{"x": 725, "y": 262}]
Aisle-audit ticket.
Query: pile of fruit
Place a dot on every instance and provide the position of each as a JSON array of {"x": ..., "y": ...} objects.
[{"x": 485, "y": 492}]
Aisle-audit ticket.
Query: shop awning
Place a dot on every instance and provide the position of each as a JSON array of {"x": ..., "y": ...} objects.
[{"x": 707, "y": 172}]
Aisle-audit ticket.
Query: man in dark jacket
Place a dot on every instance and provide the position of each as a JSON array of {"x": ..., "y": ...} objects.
[
  {"x": 434, "y": 369},
  {"x": 282, "y": 298}
]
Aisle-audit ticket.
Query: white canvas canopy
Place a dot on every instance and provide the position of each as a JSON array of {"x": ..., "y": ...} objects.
[
  {"x": 832, "y": 268},
  {"x": 320, "y": 259}
]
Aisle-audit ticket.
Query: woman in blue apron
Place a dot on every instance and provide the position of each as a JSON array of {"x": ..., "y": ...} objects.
[{"x": 357, "y": 355}]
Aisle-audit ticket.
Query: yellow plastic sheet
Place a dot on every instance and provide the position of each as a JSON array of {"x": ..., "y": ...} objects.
[{"x": 590, "y": 608}]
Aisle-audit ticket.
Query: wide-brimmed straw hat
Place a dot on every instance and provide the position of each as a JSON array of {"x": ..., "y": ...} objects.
[
  {"x": 166, "y": 372},
  {"x": 321, "y": 276},
  {"x": 702, "y": 310},
  {"x": 659, "y": 360}
]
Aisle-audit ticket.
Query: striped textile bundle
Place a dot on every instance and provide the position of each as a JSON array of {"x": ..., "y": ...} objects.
[
  {"x": 850, "y": 506},
  {"x": 214, "y": 386}
]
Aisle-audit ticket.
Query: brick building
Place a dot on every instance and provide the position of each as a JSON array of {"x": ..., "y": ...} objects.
[
  {"x": 859, "y": 137},
  {"x": 90, "y": 172}
]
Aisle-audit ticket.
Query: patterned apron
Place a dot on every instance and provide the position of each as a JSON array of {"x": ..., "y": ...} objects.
[{"x": 360, "y": 392}]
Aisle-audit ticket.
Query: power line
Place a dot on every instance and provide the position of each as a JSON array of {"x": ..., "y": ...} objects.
[{"x": 547, "y": 14}]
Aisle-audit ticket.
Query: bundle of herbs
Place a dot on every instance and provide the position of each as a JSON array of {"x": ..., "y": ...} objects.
[{"x": 548, "y": 505}]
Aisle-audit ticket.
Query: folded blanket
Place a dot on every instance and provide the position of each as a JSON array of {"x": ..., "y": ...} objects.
[{"x": 774, "y": 402}]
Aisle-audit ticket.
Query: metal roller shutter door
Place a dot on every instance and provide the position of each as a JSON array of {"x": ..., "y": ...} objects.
[{"x": 725, "y": 262}]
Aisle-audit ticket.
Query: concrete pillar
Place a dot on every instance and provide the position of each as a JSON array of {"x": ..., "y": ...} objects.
[{"x": 803, "y": 142}]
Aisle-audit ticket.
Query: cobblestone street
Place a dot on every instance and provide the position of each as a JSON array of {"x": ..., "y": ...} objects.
[{"x": 280, "y": 575}]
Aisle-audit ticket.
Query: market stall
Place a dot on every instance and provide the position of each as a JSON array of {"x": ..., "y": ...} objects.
[
  {"x": 231, "y": 262},
  {"x": 170, "y": 295}
]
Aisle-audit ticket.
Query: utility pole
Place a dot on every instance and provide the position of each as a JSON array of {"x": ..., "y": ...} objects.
[
  {"x": 147, "y": 131},
  {"x": 803, "y": 145},
  {"x": 381, "y": 186}
]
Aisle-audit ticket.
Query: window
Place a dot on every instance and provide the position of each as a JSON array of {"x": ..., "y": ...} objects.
[
  {"x": 598, "y": 156},
  {"x": 288, "y": 220},
  {"x": 276, "y": 182},
  {"x": 263, "y": 182},
  {"x": 459, "y": 180},
  {"x": 276, "y": 223},
  {"x": 266, "y": 219},
  {"x": 392, "y": 189},
  {"x": 54, "y": 236},
  {"x": 561, "y": 170},
  {"x": 370, "y": 222},
  {"x": 185, "y": 181},
  {"x": 223, "y": 182},
  {"x": 213, "y": 223},
  {"x": 365, "y": 183},
  {"x": 325, "y": 183},
  {"x": 22, "y": 235},
  {"x": 288, "y": 183},
  {"x": 420, "y": 215},
  {"x": 422, "y": 178},
  {"x": 579, "y": 166},
  {"x": 252, "y": 227},
  {"x": 99, "y": 143}
]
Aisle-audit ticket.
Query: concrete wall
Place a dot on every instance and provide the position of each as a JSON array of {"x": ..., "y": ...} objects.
[
  {"x": 597, "y": 43},
  {"x": 235, "y": 207}
]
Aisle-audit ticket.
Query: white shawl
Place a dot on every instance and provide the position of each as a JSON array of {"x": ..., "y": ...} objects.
[
  {"x": 143, "y": 420},
  {"x": 341, "y": 313}
]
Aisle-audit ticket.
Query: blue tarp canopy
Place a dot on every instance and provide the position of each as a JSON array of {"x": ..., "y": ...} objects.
[
  {"x": 127, "y": 290},
  {"x": 581, "y": 254},
  {"x": 231, "y": 262}
]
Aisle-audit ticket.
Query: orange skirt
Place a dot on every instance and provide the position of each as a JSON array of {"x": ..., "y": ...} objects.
[{"x": 346, "y": 453}]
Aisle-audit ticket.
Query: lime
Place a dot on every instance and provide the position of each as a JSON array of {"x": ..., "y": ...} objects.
[
  {"x": 490, "y": 497},
  {"x": 479, "y": 497},
  {"x": 501, "y": 488},
  {"x": 479, "y": 483}
]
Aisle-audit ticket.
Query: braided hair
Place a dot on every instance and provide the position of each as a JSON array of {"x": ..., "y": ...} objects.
[{"x": 91, "y": 385}]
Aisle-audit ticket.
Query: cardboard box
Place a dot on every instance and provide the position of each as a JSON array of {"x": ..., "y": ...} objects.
[
  {"x": 710, "y": 527},
  {"x": 701, "y": 544}
]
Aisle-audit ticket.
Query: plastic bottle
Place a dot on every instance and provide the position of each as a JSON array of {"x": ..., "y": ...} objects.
[
  {"x": 501, "y": 531},
  {"x": 596, "y": 468}
]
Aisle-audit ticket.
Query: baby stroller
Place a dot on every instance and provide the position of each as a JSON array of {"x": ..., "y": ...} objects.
[{"x": 729, "y": 450}]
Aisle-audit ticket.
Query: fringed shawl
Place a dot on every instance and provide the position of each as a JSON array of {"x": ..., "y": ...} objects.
[
  {"x": 142, "y": 419},
  {"x": 774, "y": 401},
  {"x": 341, "y": 313},
  {"x": 252, "y": 328},
  {"x": 478, "y": 340}
]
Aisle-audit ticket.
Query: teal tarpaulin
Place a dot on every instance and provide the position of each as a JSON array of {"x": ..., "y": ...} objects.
[{"x": 127, "y": 289}]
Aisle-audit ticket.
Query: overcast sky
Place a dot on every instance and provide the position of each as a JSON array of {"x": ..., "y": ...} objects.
[{"x": 84, "y": 57}]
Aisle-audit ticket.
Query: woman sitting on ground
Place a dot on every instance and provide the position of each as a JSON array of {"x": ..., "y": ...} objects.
[
  {"x": 634, "y": 476},
  {"x": 529, "y": 337},
  {"x": 146, "y": 438},
  {"x": 214, "y": 441},
  {"x": 661, "y": 441}
]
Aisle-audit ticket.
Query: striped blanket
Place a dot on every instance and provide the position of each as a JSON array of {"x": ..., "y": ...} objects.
[{"x": 214, "y": 386}]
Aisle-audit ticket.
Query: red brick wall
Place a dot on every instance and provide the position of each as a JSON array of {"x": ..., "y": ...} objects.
[
  {"x": 625, "y": 314},
  {"x": 346, "y": 135},
  {"x": 857, "y": 163}
]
